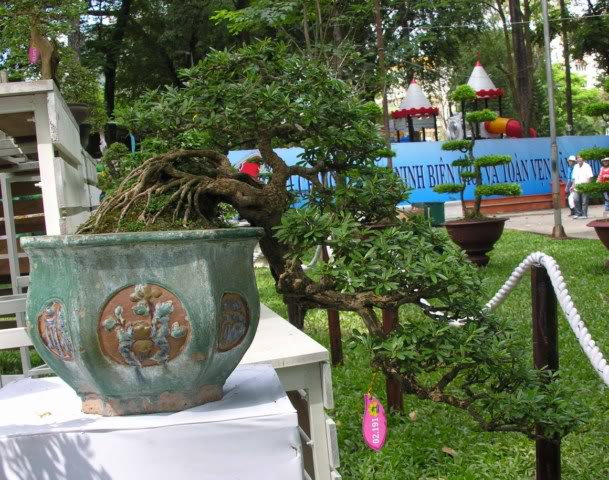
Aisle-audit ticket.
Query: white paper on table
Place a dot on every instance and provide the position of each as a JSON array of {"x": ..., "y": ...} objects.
[{"x": 252, "y": 433}]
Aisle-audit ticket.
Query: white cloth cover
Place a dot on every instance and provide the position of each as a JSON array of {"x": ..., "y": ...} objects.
[
  {"x": 415, "y": 98},
  {"x": 479, "y": 79},
  {"x": 252, "y": 433}
]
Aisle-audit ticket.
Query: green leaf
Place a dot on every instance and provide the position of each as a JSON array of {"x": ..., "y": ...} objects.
[
  {"x": 506, "y": 189},
  {"x": 457, "y": 145},
  {"x": 492, "y": 160},
  {"x": 449, "y": 188}
]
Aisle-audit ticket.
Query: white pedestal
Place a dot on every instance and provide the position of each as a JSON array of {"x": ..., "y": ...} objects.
[{"x": 251, "y": 434}]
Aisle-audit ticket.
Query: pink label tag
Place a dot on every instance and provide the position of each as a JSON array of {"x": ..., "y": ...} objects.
[
  {"x": 33, "y": 55},
  {"x": 374, "y": 423}
]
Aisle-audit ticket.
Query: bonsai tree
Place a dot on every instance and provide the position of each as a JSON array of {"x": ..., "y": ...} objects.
[
  {"x": 594, "y": 188},
  {"x": 79, "y": 84},
  {"x": 470, "y": 167},
  {"x": 599, "y": 109},
  {"x": 39, "y": 25},
  {"x": 446, "y": 348}
]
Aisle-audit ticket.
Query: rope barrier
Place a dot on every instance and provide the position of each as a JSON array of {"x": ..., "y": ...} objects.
[{"x": 566, "y": 304}]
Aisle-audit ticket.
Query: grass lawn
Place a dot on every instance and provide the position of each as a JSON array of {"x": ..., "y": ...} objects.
[{"x": 414, "y": 448}]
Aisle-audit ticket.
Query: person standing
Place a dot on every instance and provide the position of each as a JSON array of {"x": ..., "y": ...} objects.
[
  {"x": 582, "y": 173},
  {"x": 603, "y": 177},
  {"x": 568, "y": 190}
]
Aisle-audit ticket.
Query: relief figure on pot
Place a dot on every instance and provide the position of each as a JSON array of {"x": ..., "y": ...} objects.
[
  {"x": 134, "y": 326},
  {"x": 234, "y": 323},
  {"x": 53, "y": 330}
]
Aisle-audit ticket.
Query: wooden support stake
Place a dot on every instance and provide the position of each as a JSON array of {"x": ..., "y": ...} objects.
[
  {"x": 545, "y": 355},
  {"x": 336, "y": 345},
  {"x": 395, "y": 399},
  {"x": 296, "y": 314}
]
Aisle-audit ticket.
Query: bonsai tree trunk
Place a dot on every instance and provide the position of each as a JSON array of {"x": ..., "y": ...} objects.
[
  {"x": 48, "y": 54},
  {"x": 478, "y": 178}
]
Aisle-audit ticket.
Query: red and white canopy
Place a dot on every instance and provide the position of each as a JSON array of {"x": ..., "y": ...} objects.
[
  {"x": 415, "y": 103},
  {"x": 482, "y": 83}
]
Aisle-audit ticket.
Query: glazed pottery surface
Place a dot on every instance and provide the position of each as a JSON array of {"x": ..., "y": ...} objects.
[
  {"x": 143, "y": 322},
  {"x": 476, "y": 237}
]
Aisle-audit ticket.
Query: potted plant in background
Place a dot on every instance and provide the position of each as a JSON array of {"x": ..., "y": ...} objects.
[
  {"x": 83, "y": 94},
  {"x": 598, "y": 188},
  {"x": 475, "y": 233}
]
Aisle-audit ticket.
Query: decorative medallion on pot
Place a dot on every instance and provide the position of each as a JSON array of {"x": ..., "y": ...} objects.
[
  {"x": 52, "y": 330},
  {"x": 234, "y": 323},
  {"x": 143, "y": 325}
]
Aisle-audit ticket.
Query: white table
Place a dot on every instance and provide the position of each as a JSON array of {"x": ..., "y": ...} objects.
[
  {"x": 303, "y": 366},
  {"x": 251, "y": 434}
]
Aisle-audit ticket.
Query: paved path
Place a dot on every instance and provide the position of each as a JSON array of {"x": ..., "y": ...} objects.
[{"x": 541, "y": 221}]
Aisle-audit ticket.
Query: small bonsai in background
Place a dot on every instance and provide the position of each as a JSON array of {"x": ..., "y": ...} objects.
[
  {"x": 594, "y": 189},
  {"x": 599, "y": 110},
  {"x": 79, "y": 84},
  {"x": 470, "y": 167}
]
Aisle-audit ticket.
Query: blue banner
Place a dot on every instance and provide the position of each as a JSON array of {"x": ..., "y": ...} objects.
[{"x": 422, "y": 165}]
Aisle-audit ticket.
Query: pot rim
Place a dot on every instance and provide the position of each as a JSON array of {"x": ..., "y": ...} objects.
[
  {"x": 599, "y": 223},
  {"x": 103, "y": 239},
  {"x": 463, "y": 222}
]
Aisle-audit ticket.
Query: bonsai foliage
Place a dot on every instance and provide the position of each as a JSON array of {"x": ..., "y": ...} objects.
[
  {"x": 446, "y": 348},
  {"x": 470, "y": 167},
  {"x": 79, "y": 84},
  {"x": 593, "y": 188}
]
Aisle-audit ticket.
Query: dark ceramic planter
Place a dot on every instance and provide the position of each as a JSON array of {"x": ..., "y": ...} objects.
[
  {"x": 143, "y": 322},
  {"x": 80, "y": 112},
  {"x": 601, "y": 227},
  {"x": 476, "y": 237}
]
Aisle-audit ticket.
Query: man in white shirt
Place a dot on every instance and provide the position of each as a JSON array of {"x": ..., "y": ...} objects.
[{"x": 582, "y": 173}]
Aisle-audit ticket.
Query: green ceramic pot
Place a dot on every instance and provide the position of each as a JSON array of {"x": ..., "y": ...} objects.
[{"x": 143, "y": 322}]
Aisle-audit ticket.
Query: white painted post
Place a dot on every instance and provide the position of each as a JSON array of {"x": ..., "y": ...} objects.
[{"x": 49, "y": 167}]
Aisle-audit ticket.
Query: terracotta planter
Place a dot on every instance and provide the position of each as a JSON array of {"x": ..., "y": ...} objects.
[
  {"x": 601, "y": 227},
  {"x": 476, "y": 237},
  {"x": 143, "y": 322}
]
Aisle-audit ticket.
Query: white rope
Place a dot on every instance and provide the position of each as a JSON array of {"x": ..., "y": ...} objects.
[
  {"x": 316, "y": 257},
  {"x": 566, "y": 304}
]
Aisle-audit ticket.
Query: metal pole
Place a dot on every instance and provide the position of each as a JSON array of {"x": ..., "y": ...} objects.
[
  {"x": 545, "y": 355},
  {"x": 395, "y": 400},
  {"x": 558, "y": 231}
]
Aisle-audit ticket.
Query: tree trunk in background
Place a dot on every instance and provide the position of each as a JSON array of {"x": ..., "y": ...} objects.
[
  {"x": 381, "y": 53},
  {"x": 113, "y": 51},
  {"x": 305, "y": 26},
  {"x": 523, "y": 65},
  {"x": 565, "y": 51},
  {"x": 74, "y": 38},
  {"x": 508, "y": 70},
  {"x": 244, "y": 35}
]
